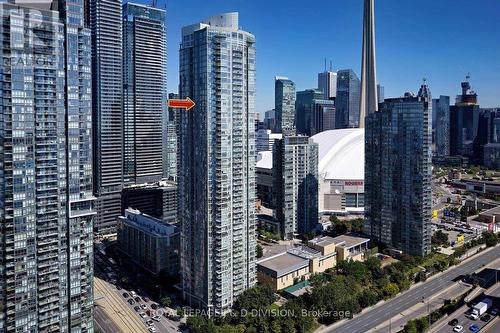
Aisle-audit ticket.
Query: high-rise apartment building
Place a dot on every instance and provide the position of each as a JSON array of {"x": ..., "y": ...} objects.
[
  {"x": 105, "y": 21},
  {"x": 46, "y": 199},
  {"x": 398, "y": 175},
  {"x": 327, "y": 83},
  {"x": 441, "y": 108},
  {"x": 464, "y": 117},
  {"x": 284, "y": 105},
  {"x": 216, "y": 171},
  {"x": 295, "y": 188},
  {"x": 347, "y": 102},
  {"x": 144, "y": 93}
]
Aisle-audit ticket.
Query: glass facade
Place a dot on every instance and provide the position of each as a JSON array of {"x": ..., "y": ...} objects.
[
  {"x": 144, "y": 92},
  {"x": 46, "y": 200},
  {"x": 295, "y": 168},
  {"x": 441, "y": 108},
  {"x": 347, "y": 102},
  {"x": 398, "y": 175},
  {"x": 314, "y": 113},
  {"x": 284, "y": 105},
  {"x": 105, "y": 21},
  {"x": 216, "y": 170}
]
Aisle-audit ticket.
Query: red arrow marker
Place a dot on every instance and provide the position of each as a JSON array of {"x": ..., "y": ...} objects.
[{"x": 187, "y": 103}]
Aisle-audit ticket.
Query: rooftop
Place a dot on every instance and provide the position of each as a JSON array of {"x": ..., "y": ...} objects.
[
  {"x": 265, "y": 160},
  {"x": 282, "y": 264},
  {"x": 349, "y": 240}
]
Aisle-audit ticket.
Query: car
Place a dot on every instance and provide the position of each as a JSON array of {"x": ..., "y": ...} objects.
[
  {"x": 152, "y": 329},
  {"x": 149, "y": 322},
  {"x": 154, "y": 306},
  {"x": 494, "y": 312},
  {"x": 486, "y": 318},
  {"x": 474, "y": 327},
  {"x": 133, "y": 294},
  {"x": 137, "y": 308},
  {"x": 137, "y": 299},
  {"x": 453, "y": 322},
  {"x": 125, "y": 295},
  {"x": 131, "y": 301},
  {"x": 156, "y": 318},
  {"x": 458, "y": 328},
  {"x": 142, "y": 314},
  {"x": 144, "y": 306}
]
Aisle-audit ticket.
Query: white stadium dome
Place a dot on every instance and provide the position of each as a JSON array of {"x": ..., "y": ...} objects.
[
  {"x": 341, "y": 153},
  {"x": 341, "y": 170}
]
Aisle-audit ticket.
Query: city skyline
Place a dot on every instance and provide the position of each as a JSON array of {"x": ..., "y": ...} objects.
[{"x": 445, "y": 61}]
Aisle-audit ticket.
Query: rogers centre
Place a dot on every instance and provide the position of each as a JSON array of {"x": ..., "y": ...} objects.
[{"x": 341, "y": 171}]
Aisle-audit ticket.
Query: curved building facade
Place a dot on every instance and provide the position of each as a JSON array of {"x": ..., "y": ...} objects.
[{"x": 341, "y": 171}]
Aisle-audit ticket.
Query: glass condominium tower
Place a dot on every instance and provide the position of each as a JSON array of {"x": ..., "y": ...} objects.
[
  {"x": 105, "y": 21},
  {"x": 144, "y": 93},
  {"x": 398, "y": 174},
  {"x": 216, "y": 172},
  {"x": 347, "y": 102},
  {"x": 46, "y": 200}
]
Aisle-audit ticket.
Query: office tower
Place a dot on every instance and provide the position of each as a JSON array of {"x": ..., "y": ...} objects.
[
  {"x": 105, "y": 22},
  {"x": 380, "y": 93},
  {"x": 314, "y": 114},
  {"x": 441, "y": 108},
  {"x": 46, "y": 200},
  {"x": 216, "y": 172},
  {"x": 368, "y": 97},
  {"x": 348, "y": 99},
  {"x": 270, "y": 120},
  {"x": 295, "y": 188},
  {"x": 464, "y": 117},
  {"x": 398, "y": 175},
  {"x": 158, "y": 199},
  {"x": 486, "y": 133},
  {"x": 265, "y": 139},
  {"x": 284, "y": 104},
  {"x": 144, "y": 93},
  {"x": 327, "y": 83},
  {"x": 149, "y": 242}
]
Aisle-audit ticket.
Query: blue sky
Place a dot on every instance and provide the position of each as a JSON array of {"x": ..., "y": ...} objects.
[{"x": 441, "y": 40}]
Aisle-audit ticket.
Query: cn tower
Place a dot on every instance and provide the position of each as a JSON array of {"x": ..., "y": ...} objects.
[{"x": 369, "y": 100}]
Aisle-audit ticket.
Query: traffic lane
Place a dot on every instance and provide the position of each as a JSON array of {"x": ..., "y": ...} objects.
[
  {"x": 103, "y": 322},
  {"x": 463, "y": 320},
  {"x": 389, "y": 309},
  {"x": 164, "y": 325}
]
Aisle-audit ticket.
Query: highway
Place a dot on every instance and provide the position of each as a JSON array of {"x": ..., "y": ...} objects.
[{"x": 363, "y": 322}]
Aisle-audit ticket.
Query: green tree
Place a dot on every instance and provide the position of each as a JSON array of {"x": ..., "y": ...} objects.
[
  {"x": 260, "y": 251},
  {"x": 258, "y": 297},
  {"x": 166, "y": 301},
  {"x": 490, "y": 239},
  {"x": 440, "y": 238}
]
